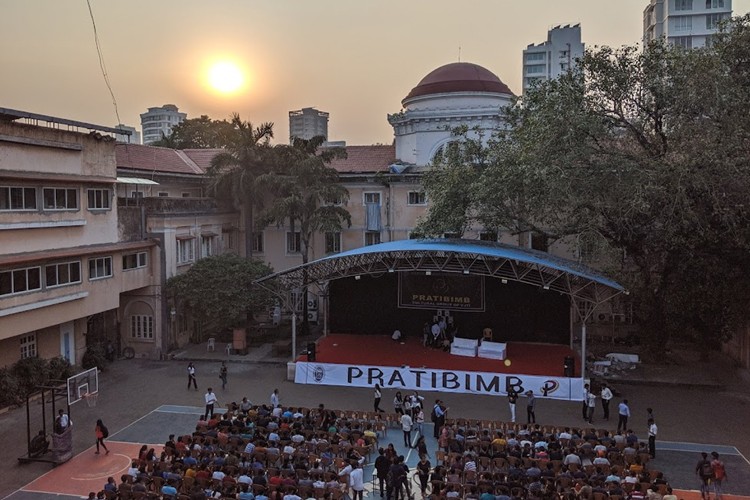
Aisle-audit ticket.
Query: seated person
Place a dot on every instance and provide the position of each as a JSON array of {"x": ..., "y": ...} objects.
[
  {"x": 39, "y": 445},
  {"x": 487, "y": 334},
  {"x": 396, "y": 335}
]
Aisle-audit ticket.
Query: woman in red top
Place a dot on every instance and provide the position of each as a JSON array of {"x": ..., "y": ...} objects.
[{"x": 101, "y": 432}]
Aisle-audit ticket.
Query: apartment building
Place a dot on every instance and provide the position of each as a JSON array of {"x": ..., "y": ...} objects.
[
  {"x": 67, "y": 280},
  {"x": 553, "y": 57},
  {"x": 158, "y": 122},
  {"x": 685, "y": 23}
]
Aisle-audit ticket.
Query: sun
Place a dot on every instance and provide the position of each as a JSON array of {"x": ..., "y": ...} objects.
[{"x": 225, "y": 77}]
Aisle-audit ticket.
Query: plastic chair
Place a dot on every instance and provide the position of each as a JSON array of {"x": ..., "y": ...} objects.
[{"x": 211, "y": 346}]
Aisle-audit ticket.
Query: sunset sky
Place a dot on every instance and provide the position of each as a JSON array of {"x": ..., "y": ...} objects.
[{"x": 355, "y": 59}]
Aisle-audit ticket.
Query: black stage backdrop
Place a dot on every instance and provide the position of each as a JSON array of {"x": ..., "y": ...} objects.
[{"x": 514, "y": 311}]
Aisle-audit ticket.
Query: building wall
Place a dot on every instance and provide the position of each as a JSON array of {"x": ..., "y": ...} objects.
[{"x": 553, "y": 58}]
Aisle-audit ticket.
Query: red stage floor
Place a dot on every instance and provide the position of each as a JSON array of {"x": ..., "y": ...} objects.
[{"x": 379, "y": 350}]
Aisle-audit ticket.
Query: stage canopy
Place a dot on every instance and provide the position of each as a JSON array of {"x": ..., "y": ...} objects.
[{"x": 586, "y": 287}]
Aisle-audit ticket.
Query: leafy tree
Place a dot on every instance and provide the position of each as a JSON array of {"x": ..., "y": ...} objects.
[
  {"x": 234, "y": 172},
  {"x": 634, "y": 153},
  {"x": 302, "y": 187},
  {"x": 198, "y": 133},
  {"x": 218, "y": 290}
]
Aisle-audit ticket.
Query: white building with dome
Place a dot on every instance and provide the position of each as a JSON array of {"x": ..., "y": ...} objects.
[{"x": 450, "y": 96}]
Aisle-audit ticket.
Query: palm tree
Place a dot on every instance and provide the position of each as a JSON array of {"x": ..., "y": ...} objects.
[
  {"x": 306, "y": 194},
  {"x": 235, "y": 171}
]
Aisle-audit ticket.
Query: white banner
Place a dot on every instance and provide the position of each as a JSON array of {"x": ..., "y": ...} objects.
[{"x": 426, "y": 379}]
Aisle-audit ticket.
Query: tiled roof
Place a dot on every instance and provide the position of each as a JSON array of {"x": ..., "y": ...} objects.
[
  {"x": 375, "y": 158},
  {"x": 138, "y": 157}
]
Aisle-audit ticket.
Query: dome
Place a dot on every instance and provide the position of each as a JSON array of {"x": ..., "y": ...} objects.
[{"x": 459, "y": 77}]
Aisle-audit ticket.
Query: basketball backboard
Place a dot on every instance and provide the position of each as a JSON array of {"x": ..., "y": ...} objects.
[{"x": 85, "y": 382}]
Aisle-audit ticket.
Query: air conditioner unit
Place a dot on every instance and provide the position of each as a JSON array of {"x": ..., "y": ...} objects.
[
  {"x": 603, "y": 318},
  {"x": 312, "y": 316},
  {"x": 312, "y": 304}
]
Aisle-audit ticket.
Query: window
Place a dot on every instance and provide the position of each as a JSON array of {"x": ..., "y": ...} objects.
[
  {"x": 162, "y": 194},
  {"x": 417, "y": 198},
  {"x": 101, "y": 267},
  {"x": 142, "y": 327},
  {"x": 535, "y": 69},
  {"x": 686, "y": 42},
  {"x": 713, "y": 20},
  {"x": 683, "y": 4},
  {"x": 28, "y": 346},
  {"x": 333, "y": 242},
  {"x": 134, "y": 261},
  {"x": 488, "y": 236},
  {"x": 372, "y": 198},
  {"x": 17, "y": 198},
  {"x": 338, "y": 201},
  {"x": 539, "y": 241},
  {"x": 683, "y": 23},
  {"x": 136, "y": 194},
  {"x": 186, "y": 195},
  {"x": 535, "y": 56},
  {"x": 451, "y": 236},
  {"x": 20, "y": 280},
  {"x": 293, "y": 242},
  {"x": 372, "y": 238},
  {"x": 60, "y": 199},
  {"x": 66, "y": 273},
  {"x": 99, "y": 199},
  {"x": 207, "y": 246},
  {"x": 714, "y": 4},
  {"x": 185, "y": 250},
  {"x": 258, "y": 242},
  {"x": 532, "y": 80}
]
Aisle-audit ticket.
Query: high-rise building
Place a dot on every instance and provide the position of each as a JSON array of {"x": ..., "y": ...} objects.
[
  {"x": 685, "y": 23},
  {"x": 550, "y": 59},
  {"x": 307, "y": 123},
  {"x": 158, "y": 121}
]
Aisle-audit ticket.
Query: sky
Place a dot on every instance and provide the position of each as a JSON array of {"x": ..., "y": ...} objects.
[{"x": 356, "y": 59}]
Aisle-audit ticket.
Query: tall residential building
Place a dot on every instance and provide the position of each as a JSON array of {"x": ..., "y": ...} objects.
[
  {"x": 685, "y": 23},
  {"x": 307, "y": 123},
  {"x": 156, "y": 121},
  {"x": 550, "y": 59}
]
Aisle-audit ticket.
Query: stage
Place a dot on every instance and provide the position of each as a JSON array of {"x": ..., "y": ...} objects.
[{"x": 363, "y": 360}]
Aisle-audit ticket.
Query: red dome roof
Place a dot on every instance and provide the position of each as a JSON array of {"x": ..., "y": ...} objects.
[{"x": 459, "y": 77}]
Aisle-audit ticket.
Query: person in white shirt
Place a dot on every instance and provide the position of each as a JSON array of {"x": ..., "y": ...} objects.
[
  {"x": 210, "y": 402},
  {"x": 396, "y": 335},
  {"x": 357, "y": 482},
  {"x": 652, "y": 431},
  {"x": 275, "y": 398},
  {"x": 591, "y": 406},
  {"x": 606, "y": 396},
  {"x": 406, "y": 425}
]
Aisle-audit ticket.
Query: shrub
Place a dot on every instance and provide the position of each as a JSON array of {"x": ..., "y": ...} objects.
[
  {"x": 29, "y": 373},
  {"x": 60, "y": 368},
  {"x": 94, "y": 357},
  {"x": 10, "y": 392}
]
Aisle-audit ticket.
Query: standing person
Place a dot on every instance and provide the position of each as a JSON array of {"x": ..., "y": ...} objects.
[
  {"x": 275, "y": 398},
  {"x": 606, "y": 396},
  {"x": 426, "y": 334},
  {"x": 398, "y": 403},
  {"x": 652, "y": 431},
  {"x": 382, "y": 464},
  {"x": 101, "y": 433},
  {"x": 62, "y": 422},
  {"x": 211, "y": 400},
  {"x": 423, "y": 472},
  {"x": 512, "y": 399},
  {"x": 530, "y": 408},
  {"x": 705, "y": 472},
  {"x": 419, "y": 420},
  {"x": 357, "y": 481},
  {"x": 438, "y": 417},
  {"x": 623, "y": 411},
  {"x": 191, "y": 376},
  {"x": 406, "y": 425},
  {"x": 719, "y": 474},
  {"x": 223, "y": 374},
  {"x": 590, "y": 406},
  {"x": 378, "y": 396},
  {"x": 585, "y": 403}
]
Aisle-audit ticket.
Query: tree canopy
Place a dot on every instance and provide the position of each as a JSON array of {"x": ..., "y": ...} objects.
[
  {"x": 198, "y": 133},
  {"x": 643, "y": 155},
  {"x": 218, "y": 290}
]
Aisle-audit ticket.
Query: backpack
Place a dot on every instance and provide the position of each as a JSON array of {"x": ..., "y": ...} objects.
[
  {"x": 706, "y": 470},
  {"x": 105, "y": 431},
  {"x": 433, "y": 415}
]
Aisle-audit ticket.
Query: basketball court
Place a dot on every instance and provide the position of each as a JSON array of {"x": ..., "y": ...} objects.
[{"x": 87, "y": 472}]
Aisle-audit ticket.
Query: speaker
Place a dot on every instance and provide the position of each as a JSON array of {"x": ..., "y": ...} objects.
[
  {"x": 569, "y": 366},
  {"x": 311, "y": 351}
]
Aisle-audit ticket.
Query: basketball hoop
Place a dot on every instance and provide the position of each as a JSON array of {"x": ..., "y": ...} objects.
[{"x": 91, "y": 399}]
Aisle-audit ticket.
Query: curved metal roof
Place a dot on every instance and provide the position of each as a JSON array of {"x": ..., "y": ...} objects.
[{"x": 458, "y": 256}]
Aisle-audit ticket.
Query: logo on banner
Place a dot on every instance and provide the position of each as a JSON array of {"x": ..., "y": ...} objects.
[
  {"x": 549, "y": 387},
  {"x": 319, "y": 373}
]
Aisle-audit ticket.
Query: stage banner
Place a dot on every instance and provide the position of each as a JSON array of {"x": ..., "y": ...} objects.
[
  {"x": 426, "y": 379},
  {"x": 441, "y": 291}
]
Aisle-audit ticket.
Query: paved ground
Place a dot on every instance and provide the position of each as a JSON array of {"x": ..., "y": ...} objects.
[{"x": 709, "y": 415}]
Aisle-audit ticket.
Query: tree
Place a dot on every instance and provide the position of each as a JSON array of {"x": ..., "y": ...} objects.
[
  {"x": 305, "y": 193},
  {"x": 218, "y": 290},
  {"x": 198, "y": 133},
  {"x": 634, "y": 153},
  {"x": 234, "y": 172}
]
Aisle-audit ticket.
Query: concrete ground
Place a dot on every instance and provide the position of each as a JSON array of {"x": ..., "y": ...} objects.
[{"x": 691, "y": 417}]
